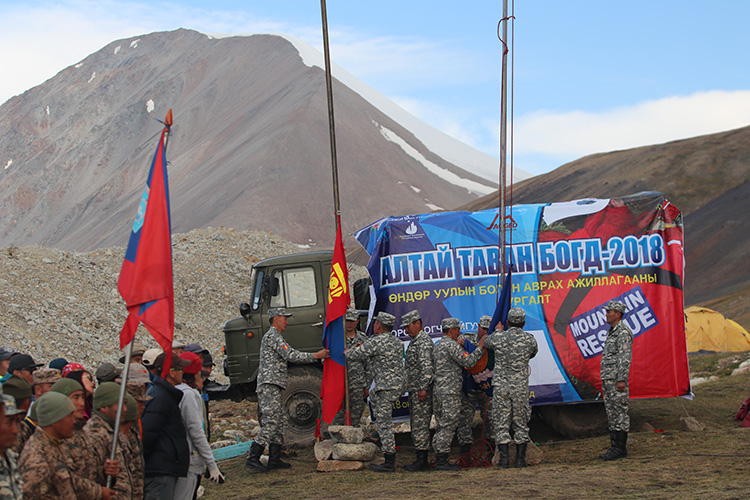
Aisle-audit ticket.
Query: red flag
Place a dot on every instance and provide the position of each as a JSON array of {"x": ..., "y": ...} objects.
[
  {"x": 334, "y": 369},
  {"x": 145, "y": 281}
]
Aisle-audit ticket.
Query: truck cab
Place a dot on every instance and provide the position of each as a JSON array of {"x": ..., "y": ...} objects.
[{"x": 299, "y": 283}]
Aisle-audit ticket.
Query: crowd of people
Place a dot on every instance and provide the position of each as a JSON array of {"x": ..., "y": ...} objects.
[{"x": 58, "y": 423}]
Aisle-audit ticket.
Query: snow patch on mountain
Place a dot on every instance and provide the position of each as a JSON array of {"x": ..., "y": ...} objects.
[{"x": 441, "y": 172}]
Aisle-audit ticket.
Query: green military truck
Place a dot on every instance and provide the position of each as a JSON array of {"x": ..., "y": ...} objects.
[{"x": 298, "y": 283}]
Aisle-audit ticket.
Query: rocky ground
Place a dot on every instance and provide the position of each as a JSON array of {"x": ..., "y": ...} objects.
[{"x": 65, "y": 304}]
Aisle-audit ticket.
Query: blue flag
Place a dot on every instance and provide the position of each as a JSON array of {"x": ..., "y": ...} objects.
[{"x": 503, "y": 305}]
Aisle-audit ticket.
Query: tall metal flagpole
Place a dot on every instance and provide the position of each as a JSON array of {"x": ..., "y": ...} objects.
[
  {"x": 503, "y": 133},
  {"x": 129, "y": 350},
  {"x": 335, "y": 173}
]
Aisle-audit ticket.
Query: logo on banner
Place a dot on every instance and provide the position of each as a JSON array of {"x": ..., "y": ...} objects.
[
  {"x": 590, "y": 328},
  {"x": 508, "y": 223},
  {"x": 411, "y": 232}
]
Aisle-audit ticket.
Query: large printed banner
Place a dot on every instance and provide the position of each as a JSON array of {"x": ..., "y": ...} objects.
[{"x": 568, "y": 259}]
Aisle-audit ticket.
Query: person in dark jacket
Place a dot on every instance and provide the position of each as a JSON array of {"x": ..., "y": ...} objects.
[{"x": 165, "y": 446}]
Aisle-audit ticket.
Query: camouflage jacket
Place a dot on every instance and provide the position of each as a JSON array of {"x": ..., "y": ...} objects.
[
  {"x": 46, "y": 475},
  {"x": 618, "y": 352},
  {"x": 386, "y": 356},
  {"x": 133, "y": 451},
  {"x": 11, "y": 484},
  {"x": 513, "y": 350},
  {"x": 419, "y": 367},
  {"x": 98, "y": 436},
  {"x": 359, "y": 372},
  {"x": 449, "y": 358},
  {"x": 275, "y": 353},
  {"x": 26, "y": 428}
]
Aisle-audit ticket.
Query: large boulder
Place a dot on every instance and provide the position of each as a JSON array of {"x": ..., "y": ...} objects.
[
  {"x": 346, "y": 434},
  {"x": 323, "y": 449}
]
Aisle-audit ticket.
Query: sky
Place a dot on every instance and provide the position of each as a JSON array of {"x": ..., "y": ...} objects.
[{"x": 588, "y": 76}]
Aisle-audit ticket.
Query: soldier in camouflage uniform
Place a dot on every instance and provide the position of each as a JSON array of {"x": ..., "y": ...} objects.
[
  {"x": 11, "y": 484},
  {"x": 43, "y": 379},
  {"x": 474, "y": 397},
  {"x": 275, "y": 353},
  {"x": 386, "y": 355},
  {"x": 615, "y": 369},
  {"x": 510, "y": 385},
  {"x": 419, "y": 374},
  {"x": 44, "y": 459},
  {"x": 99, "y": 431},
  {"x": 358, "y": 373},
  {"x": 449, "y": 359}
]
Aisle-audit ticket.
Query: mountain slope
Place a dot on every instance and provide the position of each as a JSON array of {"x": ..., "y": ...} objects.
[{"x": 249, "y": 148}]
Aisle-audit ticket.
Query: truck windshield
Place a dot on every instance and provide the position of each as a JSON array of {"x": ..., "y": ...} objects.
[{"x": 296, "y": 288}]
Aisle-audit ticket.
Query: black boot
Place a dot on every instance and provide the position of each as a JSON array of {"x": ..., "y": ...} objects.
[
  {"x": 622, "y": 442},
  {"x": 253, "y": 458},
  {"x": 504, "y": 461},
  {"x": 521, "y": 454},
  {"x": 615, "y": 451},
  {"x": 441, "y": 463},
  {"x": 420, "y": 464},
  {"x": 388, "y": 466},
  {"x": 274, "y": 458}
]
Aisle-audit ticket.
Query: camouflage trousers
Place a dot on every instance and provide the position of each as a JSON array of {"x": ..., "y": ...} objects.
[
  {"x": 616, "y": 405},
  {"x": 447, "y": 410},
  {"x": 272, "y": 417},
  {"x": 468, "y": 408},
  {"x": 382, "y": 406},
  {"x": 420, "y": 413},
  {"x": 511, "y": 407},
  {"x": 356, "y": 407}
]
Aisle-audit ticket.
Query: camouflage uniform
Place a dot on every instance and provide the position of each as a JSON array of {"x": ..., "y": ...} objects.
[
  {"x": 360, "y": 377},
  {"x": 449, "y": 359},
  {"x": 420, "y": 372},
  {"x": 11, "y": 484},
  {"x": 510, "y": 382},
  {"x": 133, "y": 451},
  {"x": 98, "y": 437},
  {"x": 46, "y": 474},
  {"x": 386, "y": 356},
  {"x": 275, "y": 353},
  {"x": 26, "y": 428},
  {"x": 469, "y": 404},
  {"x": 615, "y": 367}
]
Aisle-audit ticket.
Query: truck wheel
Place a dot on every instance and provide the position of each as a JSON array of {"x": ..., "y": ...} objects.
[
  {"x": 575, "y": 421},
  {"x": 301, "y": 401}
]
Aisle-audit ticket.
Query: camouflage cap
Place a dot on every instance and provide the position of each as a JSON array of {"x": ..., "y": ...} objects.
[
  {"x": 516, "y": 315},
  {"x": 614, "y": 305},
  {"x": 277, "y": 311},
  {"x": 46, "y": 376},
  {"x": 352, "y": 315},
  {"x": 387, "y": 320},
  {"x": 449, "y": 323},
  {"x": 485, "y": 321},
  {"x": 410, "y": 317},
  {"x": 137, "y": 373},
  {"x": 138, "y": 391}
]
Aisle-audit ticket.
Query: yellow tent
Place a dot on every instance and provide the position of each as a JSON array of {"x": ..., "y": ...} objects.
[{"x": 711, "y": 331}]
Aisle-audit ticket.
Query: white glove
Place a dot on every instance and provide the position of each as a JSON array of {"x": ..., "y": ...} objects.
[{"x": 215, "y": 474}]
